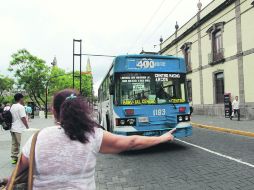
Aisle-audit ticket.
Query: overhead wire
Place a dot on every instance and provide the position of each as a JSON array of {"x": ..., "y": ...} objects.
[
  {"x": 163, "y": 21},
  {"x": 147, "y": 24}
]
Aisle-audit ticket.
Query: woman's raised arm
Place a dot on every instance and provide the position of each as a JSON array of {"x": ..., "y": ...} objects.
[{"x": 112, "y": 143}]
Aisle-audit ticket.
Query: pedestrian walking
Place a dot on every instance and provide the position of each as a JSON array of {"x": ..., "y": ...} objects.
[
  {"x": 28, "y": 112},
  {"x": 65, "y": 154},
  {"x": 235, "y": 108},
  {"x": 1, "y": 108},
  {"x": 19, "y": 123},
  {"x": 191, "y": 106},
  {"x": 7, "y": 106},
  {"x": 230, "y": 108},
  {"x": 1, "y": 112}
]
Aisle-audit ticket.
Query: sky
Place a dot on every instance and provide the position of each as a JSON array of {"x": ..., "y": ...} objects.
[{"x": 46, "y": 28}]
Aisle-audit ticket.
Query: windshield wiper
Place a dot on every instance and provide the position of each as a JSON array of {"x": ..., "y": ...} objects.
[{"x": 170, "y": 100}]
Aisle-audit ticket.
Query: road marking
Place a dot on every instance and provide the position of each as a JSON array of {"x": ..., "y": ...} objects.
[
  {"x": 218, "y": 154},
  {"x": 225, "y": 130}
]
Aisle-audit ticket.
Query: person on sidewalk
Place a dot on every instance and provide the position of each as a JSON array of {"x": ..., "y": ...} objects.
[
  {"x": 19, "y": 123},
  {"x": 65, "y": 154},
  {"x": 7, "y": 106},
  {"x": 236, "y": 109},
  {"x": 1, "y": 112},
  {"x": 28, "y": 112},
  {"x": 1, "y": 108},
  {"x": 230, "y": 108}
]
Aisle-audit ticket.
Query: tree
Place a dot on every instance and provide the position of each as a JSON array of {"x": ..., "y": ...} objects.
[
  {"x": 61, "y": 80},
  {"x": 31, "y": 73},
  {"x": 6, "y": 84}
]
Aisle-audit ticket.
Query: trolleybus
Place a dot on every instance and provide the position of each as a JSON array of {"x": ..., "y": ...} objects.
[{"x": 145, "y": 95}]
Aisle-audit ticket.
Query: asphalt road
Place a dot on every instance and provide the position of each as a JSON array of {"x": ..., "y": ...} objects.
[{"x": 213, "y": 160}]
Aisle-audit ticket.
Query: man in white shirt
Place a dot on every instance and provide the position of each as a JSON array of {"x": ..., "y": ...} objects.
[
  {"x": 236, "y": 109},
  {"x": 19, "y": 124}
]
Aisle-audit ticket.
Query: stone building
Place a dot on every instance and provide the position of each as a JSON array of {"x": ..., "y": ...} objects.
[{"x": 218, "y": 47}]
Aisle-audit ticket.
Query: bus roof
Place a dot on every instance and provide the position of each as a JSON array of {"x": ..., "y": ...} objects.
[
  {"x": 121, "y": 64},
  {"x": 148, "y": 56},
  {"x": 148, "y": 63}
]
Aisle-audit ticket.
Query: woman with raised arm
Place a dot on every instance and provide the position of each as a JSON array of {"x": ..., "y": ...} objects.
[{"x": 65, "y": 154}]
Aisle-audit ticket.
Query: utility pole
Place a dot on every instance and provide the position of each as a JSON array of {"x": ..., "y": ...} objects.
[
  {"x": 80, "y": 54},
  {"x": 80, "y": 64}
]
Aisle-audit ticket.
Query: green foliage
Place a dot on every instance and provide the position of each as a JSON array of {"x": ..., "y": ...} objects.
[
  {"x": 61, "y": 80},
  {"x": 31, "y": 73},
  {"x": 9, "y": 99},
  {"x": 6, "y": 84}
]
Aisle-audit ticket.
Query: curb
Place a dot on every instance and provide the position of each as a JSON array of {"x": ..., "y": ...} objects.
[{"x": 225, "y": 130}]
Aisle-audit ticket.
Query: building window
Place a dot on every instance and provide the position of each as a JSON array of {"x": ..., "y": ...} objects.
[
  {"x": 186, "y": 49},
  {"x": 219, "y": 87},
  {"x": 217, "y": 51},
  {"x": 189, "y": 90}
]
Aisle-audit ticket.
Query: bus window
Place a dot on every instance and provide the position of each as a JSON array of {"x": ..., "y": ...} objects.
[
  {"x": 149, "y": 88},
  {"x": 183, "y": 95}
]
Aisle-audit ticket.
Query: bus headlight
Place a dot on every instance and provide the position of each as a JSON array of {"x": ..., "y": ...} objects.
[
  {"x": 182, "y": 118},
  {"x": 125, "y": 121},
  {"x": 122, "y": 122},
  {"x": 131, "y": 121}
]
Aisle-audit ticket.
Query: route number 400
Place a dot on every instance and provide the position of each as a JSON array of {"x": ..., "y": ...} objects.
[
  {"x": 159, "y": 112},
  {"x": 146, "y": 63}
]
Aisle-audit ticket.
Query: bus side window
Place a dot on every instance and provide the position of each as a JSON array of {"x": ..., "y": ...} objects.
[{"x": 111, "y": 86}]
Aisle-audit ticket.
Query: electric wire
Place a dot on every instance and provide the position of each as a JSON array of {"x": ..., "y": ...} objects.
[
  {"x": 163, "y": 21},
  {"x": 147, "y": 24}
]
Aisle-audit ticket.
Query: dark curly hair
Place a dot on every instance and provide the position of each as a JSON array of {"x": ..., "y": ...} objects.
[{"x": 74, "y": 115}]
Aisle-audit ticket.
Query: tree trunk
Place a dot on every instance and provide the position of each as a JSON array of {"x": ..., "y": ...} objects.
[
  {"x": 43, "y": 101},
  {"x": 31, "y": 97},
  {"x": 36, "y": 100}
]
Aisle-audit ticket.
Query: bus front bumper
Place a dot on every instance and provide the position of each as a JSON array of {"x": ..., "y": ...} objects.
[{"x": 182, "y": 130}]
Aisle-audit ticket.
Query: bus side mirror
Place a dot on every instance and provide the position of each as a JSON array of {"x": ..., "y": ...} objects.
[{"x": 111, "y": 89}]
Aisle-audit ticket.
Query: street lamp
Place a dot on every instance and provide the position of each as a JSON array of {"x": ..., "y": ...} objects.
[{"x": 161, "y": 40}]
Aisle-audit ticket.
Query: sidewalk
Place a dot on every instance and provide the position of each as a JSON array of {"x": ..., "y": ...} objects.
[
  {"x": 243, "y": 127},
  {"x": 5, "y": 143}
]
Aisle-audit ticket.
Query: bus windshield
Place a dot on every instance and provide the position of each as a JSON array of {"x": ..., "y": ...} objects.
[{"x": 150, "y": 88}]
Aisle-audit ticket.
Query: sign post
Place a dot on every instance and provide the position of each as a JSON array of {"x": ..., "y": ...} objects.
[{"x": 227, "y": 105}]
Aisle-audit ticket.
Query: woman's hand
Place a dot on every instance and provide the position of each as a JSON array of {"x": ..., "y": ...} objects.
[
  {"x": 168, "y": 136},
  {"x": 112, "y": 143}
]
